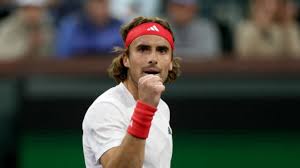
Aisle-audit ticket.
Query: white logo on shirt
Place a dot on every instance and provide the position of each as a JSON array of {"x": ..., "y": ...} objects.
[{"x": 153, "y": 28}]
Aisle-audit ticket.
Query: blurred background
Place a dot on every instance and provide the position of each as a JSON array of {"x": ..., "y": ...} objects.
[{"x": 235, "y": 105}]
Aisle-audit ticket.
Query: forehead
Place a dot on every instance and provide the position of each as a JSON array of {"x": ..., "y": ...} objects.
[{"x": 150, "y": 40}]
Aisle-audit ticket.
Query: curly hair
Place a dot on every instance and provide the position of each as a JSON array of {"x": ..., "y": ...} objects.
[{"x": 118, "y": 71}]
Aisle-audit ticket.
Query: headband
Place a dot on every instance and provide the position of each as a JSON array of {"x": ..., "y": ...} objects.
[{"x": 149, "y": 28}]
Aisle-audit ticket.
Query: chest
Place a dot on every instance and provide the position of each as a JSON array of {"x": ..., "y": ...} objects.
[{"x": 159, "y": 144}]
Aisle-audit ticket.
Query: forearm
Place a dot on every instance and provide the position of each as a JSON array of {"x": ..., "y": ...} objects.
[{"x": 130, "y": 154}]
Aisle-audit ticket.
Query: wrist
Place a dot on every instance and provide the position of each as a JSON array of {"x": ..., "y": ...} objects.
[{"x": 141, "y": 120}]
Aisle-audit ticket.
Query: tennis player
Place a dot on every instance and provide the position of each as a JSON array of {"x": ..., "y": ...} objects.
[{"x": 128, "y": 125}]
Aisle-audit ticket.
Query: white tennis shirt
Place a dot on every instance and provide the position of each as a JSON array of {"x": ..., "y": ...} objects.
[{"x": 105, "y": 125}]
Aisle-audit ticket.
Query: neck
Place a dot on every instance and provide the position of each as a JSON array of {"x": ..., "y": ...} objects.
[{"x": 132, "y": 88}]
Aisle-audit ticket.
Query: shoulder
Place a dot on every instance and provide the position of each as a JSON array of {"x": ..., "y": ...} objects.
[
  {"x": 11, "y": 21},
  {"x": 115, "y": 21},
  {"x": 69, "y": 21},
  {"x": 247, "y": 29},
  {"x": 103, "y": 113},
  {"x": 115, "y": 95},
  {"x": 111, "y": 97},
  {"x": 246, "y": 25},
  {"x": 110, "y": 104},
  {"x": 203, "y": 23}
]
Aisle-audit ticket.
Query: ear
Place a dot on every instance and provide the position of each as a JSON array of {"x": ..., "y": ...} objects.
[
  {"x": 171, "y": 66},
  {"x": 126, "y": 62}
]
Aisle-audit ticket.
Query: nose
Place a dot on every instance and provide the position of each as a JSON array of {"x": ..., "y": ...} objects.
[{"x": 153, "y": 58}]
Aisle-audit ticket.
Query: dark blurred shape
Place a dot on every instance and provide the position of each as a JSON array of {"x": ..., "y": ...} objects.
[
  {"x": 227, "y": 14},
  {"x": 226, "y": 34},
  {"x": 298, "y": 14},
  {"x": 6, "y": 8},
  {"x": 194, "y": 36},
  {"x": 91, "y": 32},
  {"x": 9, "y": 134},
  {"x": 27, "y": 32},
  {"x": 61, "y": 8}
]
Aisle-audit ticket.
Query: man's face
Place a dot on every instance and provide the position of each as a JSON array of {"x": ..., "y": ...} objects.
[
  {"x": 148, "y": 54},
  {"x": 98, "y": 10},
  {"x": 181, "y": 14},
  {"x": 269, "y": 6},
  {"x": 32, "y": 15}
]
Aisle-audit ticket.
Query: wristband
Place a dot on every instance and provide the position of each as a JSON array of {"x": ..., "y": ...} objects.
[{"x": 141, "y": 120}]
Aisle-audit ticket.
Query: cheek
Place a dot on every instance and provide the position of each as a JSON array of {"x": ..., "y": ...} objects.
[
  {"x": 167, "y": 64},
  {"x": 166, "y": 60},
  {"x": 135, "y": 67}
]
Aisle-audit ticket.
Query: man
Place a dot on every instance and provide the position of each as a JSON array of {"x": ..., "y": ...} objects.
[
  {"x": 26, "y": 33},
  {"x": 91, "y": 32},
  {"x": 128, "y": 125},
  {"x": 290, "y": 30},
  {"x": 197, "y": 37},
  {"x": 259, "y": 35}
]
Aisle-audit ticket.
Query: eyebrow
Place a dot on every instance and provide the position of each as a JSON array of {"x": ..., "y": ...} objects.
[
  {"x": 163, "y": 47},
  {"x": 143, "y": 45}
]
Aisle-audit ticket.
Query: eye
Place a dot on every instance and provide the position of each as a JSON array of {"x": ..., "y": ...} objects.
[
  {"x": 162, "y": 50},
  {"x": 143, "y": 48}
]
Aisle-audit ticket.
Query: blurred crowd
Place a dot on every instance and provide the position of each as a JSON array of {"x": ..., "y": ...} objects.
[{"x": 63, "y": 29}]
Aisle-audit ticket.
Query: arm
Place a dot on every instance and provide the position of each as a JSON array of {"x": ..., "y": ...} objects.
[{"x": 130, "y": 154}]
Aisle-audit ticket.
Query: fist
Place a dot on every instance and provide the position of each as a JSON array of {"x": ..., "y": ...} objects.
[{"x": 150, "y": 88}]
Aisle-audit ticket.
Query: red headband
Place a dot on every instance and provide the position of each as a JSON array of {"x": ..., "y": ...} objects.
[{"x": 149, "y": 28}]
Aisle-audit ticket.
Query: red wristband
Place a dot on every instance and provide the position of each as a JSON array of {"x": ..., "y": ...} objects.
[{"x": 141, "y": 120}]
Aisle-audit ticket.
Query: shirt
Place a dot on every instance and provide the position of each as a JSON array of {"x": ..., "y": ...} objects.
[
  {"x": 105, "y": 125},
  {"x": 253, "y": 41},
  {"x": 198, "y": 38},
  {"x": 78, "y": 36}
]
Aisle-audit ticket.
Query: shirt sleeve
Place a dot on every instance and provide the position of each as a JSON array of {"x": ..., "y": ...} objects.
[{"x": 105, "y": 128}]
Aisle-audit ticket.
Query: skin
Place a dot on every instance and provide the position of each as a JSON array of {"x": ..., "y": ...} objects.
[
  {"x": 32, "y": 15},
  {"x": 182, "y": 14},
  {"x": 286, "y": 13},
  {"x": 98, "y": 11},
  {"x": 148, "y": 54},
  {"x": 264, "y": 12}
]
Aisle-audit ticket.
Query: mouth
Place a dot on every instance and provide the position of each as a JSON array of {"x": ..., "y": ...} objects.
[{"x": 152, "y": 71}]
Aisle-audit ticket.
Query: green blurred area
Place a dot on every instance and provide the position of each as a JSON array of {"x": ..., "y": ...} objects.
[{"x": 209, "y": 150}]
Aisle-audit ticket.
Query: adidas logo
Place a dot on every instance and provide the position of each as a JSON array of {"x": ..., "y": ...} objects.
[{"x": 153, "y": 28}]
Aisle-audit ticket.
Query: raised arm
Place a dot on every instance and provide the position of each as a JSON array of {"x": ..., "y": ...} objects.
[{"x": 130, "y": 154}]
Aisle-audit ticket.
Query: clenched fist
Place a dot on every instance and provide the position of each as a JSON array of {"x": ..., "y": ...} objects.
[{"x": 150, "y": 88}]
